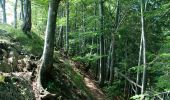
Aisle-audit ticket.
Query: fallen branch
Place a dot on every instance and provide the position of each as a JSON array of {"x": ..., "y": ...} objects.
[{"x": 128, "y": 79}]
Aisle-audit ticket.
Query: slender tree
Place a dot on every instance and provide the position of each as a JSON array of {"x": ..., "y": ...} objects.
[
  {"x": 15, "y": 14},
  {"x": 101, "y": 68},
  {"x": 67, "y": 25},
  {"x": 3, "y": 5},
  {"x": 144, "y": 49},
  {"x": 21, "y": 11},
  {"x": 115, "y": 27},
  {"x": 27, "y": 17}
]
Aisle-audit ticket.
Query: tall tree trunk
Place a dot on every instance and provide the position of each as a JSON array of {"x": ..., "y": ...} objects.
[
  {"x": 60, "y": 42},
  {"x": 139, "y": 63},
  {"x": 67, "y": 25},
  {"x": 98, "y": 61},
  {"x": 84, "y": 23},
  {"x": 47, "y": 58},
  {"x": 27, "y": 17},
  {"x": 115, "y": 27},
  {"x": 75, "y": 19},
  {"x": 15, "y": 14},
  {"x": 144, "y": 49},
  {"x": 21, "y": 12},
  {"x": 101, "y": 73},
  {"x": 109, "y": 62},
  {"x": 3, "y": 5}
]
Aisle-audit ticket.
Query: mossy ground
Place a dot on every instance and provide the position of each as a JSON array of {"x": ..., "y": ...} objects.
[
  {"x": 67, "y": 82},
  {"x": 33, "y": 45}
]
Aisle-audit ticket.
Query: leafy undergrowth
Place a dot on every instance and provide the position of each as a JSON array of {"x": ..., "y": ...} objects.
[
  {"x": 67, "y": 83},
  {"x": 163, "y": 64},
  {"x": 33, "y": 45},
  {"x": 159, "y": 74}
]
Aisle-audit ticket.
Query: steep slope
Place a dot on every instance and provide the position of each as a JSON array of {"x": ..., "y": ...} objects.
[
  {"x": 17, "y": 78},
  {"x": 87, "y": 82}
]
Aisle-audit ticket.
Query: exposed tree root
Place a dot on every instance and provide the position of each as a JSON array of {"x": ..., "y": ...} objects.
[
  {"x": 40, "y": 92},
  {"x": 45, "y": 95}
]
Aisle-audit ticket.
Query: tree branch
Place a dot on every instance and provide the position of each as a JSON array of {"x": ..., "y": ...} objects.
[{"x": 128, "y": 79}]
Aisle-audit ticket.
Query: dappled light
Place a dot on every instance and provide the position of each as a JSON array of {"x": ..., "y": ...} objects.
[{"x": 84, "y": 50}]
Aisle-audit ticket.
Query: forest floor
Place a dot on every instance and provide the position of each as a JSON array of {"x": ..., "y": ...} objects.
[
  {"x": 89, "y": 81},
  {"x": 18, "y": 64},
  {"x": 95, "y": 90}
]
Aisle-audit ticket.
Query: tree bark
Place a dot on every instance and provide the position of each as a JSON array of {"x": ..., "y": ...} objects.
[
  {"x": 15, "y": 14},
  {"x": 47, "y": 57},
  {"x": 144, "y": 49},
  {"x": 27, "y": 17},
  {"x": 21, "y": 12},
  {"x": 3, "y": 5},
  {"x": 101, "y": 71},
  {"x": 67, "y": 25}
]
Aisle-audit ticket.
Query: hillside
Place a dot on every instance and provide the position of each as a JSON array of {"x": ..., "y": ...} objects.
[
  {"x": 17, "y": 79},
  {"x": 84, "y": 49}
]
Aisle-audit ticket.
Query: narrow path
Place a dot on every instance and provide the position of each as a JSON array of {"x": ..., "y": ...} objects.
[
  {"x": 91, "y": 84},
  {"x": 94, "y": 89}
]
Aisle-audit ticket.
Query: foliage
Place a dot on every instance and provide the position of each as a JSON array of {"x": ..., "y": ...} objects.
[
  {"x": 138, "y": 97},
  {"x": 112, "y": 90},
  {"x": 84, "y": 41},
  {"x": 2, "y": 78},
  {"x": 88, "y": 58}
]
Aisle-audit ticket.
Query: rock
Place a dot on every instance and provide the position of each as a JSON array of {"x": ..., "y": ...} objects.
[
  {"x": 35, "y": 58},
  {"x": 3, "y": 54},
  {"x": 16, "y": 88},
  {"x": 13, "y": 62},
  {"x": 21, "y": 65},
  {"x": 4, "y": 45},
  {"x": 31, "y": 65}
]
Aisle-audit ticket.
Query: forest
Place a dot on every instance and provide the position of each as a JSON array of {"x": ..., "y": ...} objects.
[{"x": 84, "y": 50}]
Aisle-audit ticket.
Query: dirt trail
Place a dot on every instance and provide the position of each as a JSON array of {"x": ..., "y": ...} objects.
[
  {"x": 90, "y": 83},
  {"x": 94, "y": 89}
]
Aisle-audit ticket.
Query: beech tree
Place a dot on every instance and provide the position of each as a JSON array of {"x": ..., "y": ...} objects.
[{"x": 47, "y": 57}]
